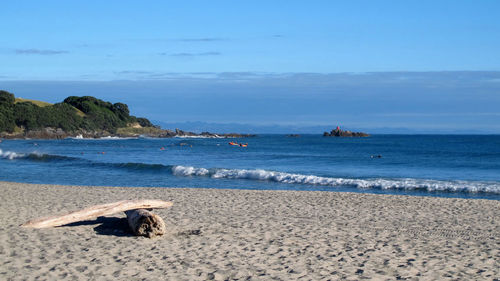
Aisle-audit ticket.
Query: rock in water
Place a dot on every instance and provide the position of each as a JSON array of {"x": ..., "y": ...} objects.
[{"x": 344, "y": 133}]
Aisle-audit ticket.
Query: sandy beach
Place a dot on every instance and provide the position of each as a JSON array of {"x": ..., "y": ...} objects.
[{"x": 251, "y": 235}]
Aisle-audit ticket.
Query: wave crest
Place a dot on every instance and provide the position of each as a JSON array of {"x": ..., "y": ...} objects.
[
  {"x": 375, "y": 183},
  {"x": 10, "y": 155},
  {"x": 34, "y": 156},
  {"x": 189, "y": 171},
  {"x": 274, "y": 176}
]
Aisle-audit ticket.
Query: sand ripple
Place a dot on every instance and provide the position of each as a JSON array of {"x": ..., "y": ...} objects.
[{"x": 252, "y": 235}]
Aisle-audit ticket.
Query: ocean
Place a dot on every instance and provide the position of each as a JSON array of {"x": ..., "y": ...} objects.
[{"x": 464, "y": 166}]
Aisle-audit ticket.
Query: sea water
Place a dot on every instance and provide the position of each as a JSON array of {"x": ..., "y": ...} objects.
[{"x": 430, "y": 165}]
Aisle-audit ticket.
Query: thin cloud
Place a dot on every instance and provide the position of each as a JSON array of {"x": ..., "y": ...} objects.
[
  {"x": 205, "y": 39},
  {"x": 241, "y": 75},
  {"x": 494, "y": 80},
  {"x": 446, "y": 80},
  {"x": 133, "y": 72},
  {"x": 432, "y": 114},
  {"x": 141, "y": 74},
  {"x": 192, "y": 54},
  {"x": 39, "y": 52}
]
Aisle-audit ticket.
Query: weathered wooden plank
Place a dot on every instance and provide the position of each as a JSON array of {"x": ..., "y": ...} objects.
[{"x": 97, "y": 211}]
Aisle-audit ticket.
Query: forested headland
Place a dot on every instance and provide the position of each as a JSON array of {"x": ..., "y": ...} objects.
[
  {"x": 86, "y": 117},
  {"x": 75, "y": 115}
]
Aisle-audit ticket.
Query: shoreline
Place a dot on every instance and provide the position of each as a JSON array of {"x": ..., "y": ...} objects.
[
  {"x": 480, "y": 195},
  {"x": 261, "y": 234},
  {"x": 49, "y": 133}
]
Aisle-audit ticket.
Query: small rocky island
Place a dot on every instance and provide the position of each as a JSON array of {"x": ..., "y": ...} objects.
[
  {"x": 79, "y": 117},
  {"x": 344, "y": 133}
]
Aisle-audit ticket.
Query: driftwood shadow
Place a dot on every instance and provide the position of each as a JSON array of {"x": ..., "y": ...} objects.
[{"x": 111, "y": 226}]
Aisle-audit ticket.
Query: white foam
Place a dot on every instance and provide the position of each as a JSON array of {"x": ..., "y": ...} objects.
[
  {"x": 117, "y": 138},
  {"x": 189, "y": 171},
  {"x": 200, "y": 137},
  {"x": 80, "y": 137},
  {"x": 405, "y": 183},
  {"x": 10, "y": 155}
]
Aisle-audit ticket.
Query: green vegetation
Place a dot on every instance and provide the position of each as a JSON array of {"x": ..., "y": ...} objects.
[
  {"x": 73, "y": 114},
  {"x": 7, "y": 121}
]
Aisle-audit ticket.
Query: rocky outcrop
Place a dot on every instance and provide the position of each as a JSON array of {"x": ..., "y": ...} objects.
[
  {"x": 54, "y": 133},
  {"x": 58, "y": 133},
  {"x": 47, "y": 133},
  {"x": 344, "y": 133},
  {"x": 180, "y": 133},
  {"x": 236, "y": 135}
]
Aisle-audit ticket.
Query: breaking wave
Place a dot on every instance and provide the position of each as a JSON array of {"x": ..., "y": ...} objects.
[
  {"x": 189, "y": 171},
  {"x": 10, "y": 155},
  {"x": 80, "y": 137},
  {"x": 491, "y": 187},
  {"x": 34, "y": 156},
  {"x": 200, "y": 137},
  {"x": 373, "y": 183}
]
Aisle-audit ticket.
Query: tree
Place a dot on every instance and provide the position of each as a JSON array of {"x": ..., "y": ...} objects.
[
  {"x": 122, "y": 111},
  {"x": 7, "y": 123},
  {"x": 26, "y": 115},
  {"x": 144, "y": 122},
  {"x": 6, "y": 98}
]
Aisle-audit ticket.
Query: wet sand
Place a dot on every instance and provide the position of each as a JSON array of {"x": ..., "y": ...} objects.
[{"x": 251, "y": 235}]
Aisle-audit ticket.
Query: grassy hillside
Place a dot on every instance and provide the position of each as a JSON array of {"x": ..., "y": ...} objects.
[
  {"x": 37, "y": 102},
  {"x": 44, "y": 104},
  {"x": 73, "y": 114}
]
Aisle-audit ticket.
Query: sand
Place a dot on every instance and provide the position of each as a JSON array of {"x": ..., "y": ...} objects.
[{"x": 251, "y": 235}]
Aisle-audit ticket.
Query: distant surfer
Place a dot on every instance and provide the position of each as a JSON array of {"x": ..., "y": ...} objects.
[{"x": 376, "y": 156}]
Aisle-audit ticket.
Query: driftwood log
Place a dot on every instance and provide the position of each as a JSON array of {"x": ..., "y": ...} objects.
[
  {"x": 144, "y": 223},
  {"x": 147, "y": 223}
]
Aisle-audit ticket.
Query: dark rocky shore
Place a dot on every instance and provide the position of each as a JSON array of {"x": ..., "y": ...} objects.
[
  {"x": 53, "y": 133},
  {"x": 344, "y": 133}
]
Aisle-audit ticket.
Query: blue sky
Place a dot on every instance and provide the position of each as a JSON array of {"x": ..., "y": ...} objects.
[{"x": 420, "y": 64}]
